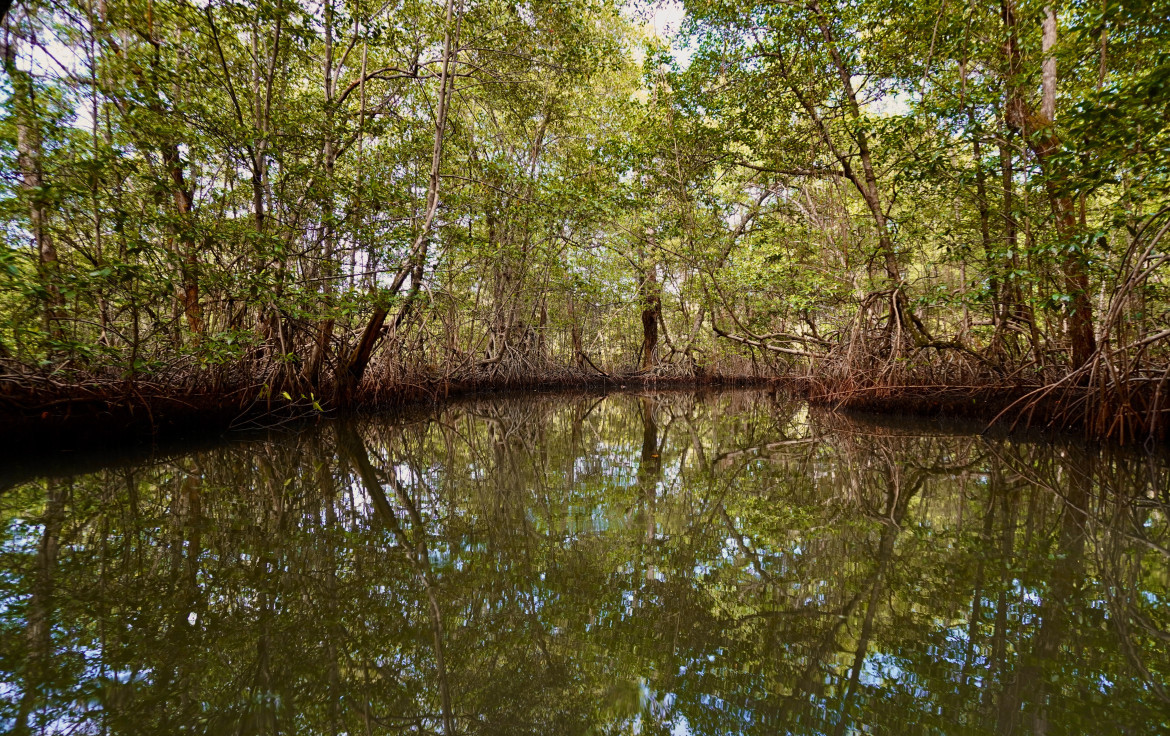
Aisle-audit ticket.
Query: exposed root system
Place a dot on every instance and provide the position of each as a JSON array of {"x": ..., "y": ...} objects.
[{"x": 42, "y": 412}]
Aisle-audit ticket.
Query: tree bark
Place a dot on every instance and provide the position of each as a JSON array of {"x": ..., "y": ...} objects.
[
  {"x": 1038, "y": 129},
  {"x": 312, "y": 371},
  {"x": 30, "y": 157},
  {"x": 651, "y": 301},
  {"x": 184, "y": 199},
  {"x": 1048, "y": 71}
]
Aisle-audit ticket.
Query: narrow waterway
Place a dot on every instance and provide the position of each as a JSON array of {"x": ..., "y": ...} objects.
[{"x": 676, "y": 563}]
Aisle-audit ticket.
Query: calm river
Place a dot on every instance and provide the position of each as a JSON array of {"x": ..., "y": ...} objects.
[{"x": 723, "y": 563}]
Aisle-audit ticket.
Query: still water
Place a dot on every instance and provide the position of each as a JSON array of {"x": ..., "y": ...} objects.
[{"x": 638, "y": 564}]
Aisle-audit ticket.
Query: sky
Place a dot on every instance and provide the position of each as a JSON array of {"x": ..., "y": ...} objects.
[
  {"x": 663, "y": 18},
  {"x": 666, "y": 17}
]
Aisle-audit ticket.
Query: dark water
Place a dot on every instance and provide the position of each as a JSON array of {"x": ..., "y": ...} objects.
[{"x": 667, "y": 564}]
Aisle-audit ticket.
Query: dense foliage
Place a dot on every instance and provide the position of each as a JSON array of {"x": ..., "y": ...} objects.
[{"x": 285, "y": 194}]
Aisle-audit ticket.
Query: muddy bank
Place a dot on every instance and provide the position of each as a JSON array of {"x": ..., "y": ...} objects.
[
  {"x": 42, "y": 416},
  {"x": 1090, "y": 411},
  {"x": 983, "y": 403},
  {"x": 46, "y": 417}
]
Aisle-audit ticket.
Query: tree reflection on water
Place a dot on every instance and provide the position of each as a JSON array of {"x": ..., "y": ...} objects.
[{"x": 667, "y": 563}]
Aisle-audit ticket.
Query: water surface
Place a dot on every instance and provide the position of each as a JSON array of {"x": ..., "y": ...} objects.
[{"x": 653, "y": 564}]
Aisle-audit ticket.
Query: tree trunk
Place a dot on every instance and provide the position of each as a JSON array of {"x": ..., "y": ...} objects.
[
  {"x": 1048, "y": 71},
  {"x": 867, "y": 183},
  {"x": 651, "y": 312},
  {"x": 188, "y": 252},
  {"x": 1038, "y": 129},
  {"x": 30, "y": 162},
  {"x": 984, "y": 206},
  {"x": 575, "y": 334},
  {"x": 359, "y": 358},
  {"x": 312, "y": 371}
]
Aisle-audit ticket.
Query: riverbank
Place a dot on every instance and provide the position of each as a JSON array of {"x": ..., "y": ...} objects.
[
  {"x": 1119, "y": 412},
  {"x": 40, "y": 414}
]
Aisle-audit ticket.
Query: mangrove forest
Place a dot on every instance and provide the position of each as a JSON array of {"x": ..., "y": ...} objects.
[
  {"x": 219, "y": 209},
  {"x": 584, "y": 367}
]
